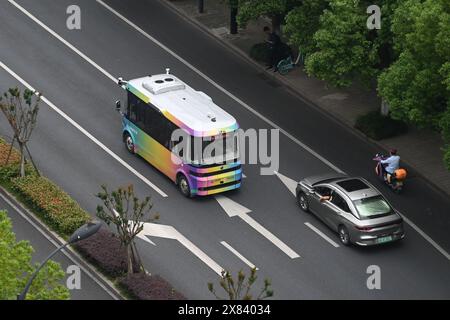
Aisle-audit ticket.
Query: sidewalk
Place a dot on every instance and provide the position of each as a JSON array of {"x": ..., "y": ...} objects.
[{"x": 420, "y": 149}]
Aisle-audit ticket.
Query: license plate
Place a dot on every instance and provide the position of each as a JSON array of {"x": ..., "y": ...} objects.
[{"x": 384, "y": 239}]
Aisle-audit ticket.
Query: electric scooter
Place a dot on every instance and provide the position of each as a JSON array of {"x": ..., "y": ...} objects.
[{"x": 396, "y": 181}]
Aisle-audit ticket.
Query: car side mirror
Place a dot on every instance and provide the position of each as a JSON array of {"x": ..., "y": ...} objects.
[{"x": 118, "y": 106}]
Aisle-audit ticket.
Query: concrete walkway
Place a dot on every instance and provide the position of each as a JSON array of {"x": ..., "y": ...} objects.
[{"x": 419, "y": 149}]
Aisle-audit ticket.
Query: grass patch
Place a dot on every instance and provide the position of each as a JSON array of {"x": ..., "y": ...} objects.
[{"x": 377, "y": 126}]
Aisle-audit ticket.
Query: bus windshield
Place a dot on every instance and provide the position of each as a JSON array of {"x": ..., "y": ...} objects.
[{"x": 214, "y": 149}]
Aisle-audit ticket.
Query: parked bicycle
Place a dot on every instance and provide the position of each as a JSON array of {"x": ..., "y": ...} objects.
[{"x": 287, "y": 64}]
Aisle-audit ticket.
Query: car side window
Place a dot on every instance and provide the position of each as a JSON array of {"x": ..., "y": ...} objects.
[
  {"x": 339, "y": 202},
  {"x": 323, "y": 191}
]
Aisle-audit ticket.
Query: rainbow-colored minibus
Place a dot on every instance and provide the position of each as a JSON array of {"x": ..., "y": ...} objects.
[{"x": 158, "y": 105}]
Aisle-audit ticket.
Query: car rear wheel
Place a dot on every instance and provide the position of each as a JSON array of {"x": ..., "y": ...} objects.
[
  {"x": 344, "y": 236},
  {"x": 183, "y": 184},
  {"x": 303, "y": 201}
]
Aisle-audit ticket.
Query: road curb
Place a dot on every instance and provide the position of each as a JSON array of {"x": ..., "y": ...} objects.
[
  {"x": 274, "y": 76},
  {"x": 75, "y": 256}
]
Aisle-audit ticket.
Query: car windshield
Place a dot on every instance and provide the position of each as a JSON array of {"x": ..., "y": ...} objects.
[{"x": 373, "y": 207}]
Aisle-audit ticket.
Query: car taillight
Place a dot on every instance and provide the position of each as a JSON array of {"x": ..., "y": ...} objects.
[{"x": 364, "y": 228}]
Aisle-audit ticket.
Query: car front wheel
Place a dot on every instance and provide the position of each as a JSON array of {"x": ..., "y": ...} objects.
[
  {"x": 303, "y": 201},
  {"x": 344, "y": 236}
]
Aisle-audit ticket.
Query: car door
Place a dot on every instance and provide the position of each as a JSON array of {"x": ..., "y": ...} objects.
[
  {"x": 321, "y": 209},
  {"x": 340, "y": 210}
]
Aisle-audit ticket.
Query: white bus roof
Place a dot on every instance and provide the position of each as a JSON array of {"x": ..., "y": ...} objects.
[{"x": 189, "y": 109}]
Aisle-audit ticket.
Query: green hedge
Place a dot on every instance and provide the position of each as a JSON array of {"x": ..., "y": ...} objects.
[
  {"x": 54, "y": 206},
  {"x": 377, "y": 126}
]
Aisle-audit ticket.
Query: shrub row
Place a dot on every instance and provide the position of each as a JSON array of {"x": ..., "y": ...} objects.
[
  {"x": 55, "y": 206},
  {"x": 104, "y": 250},
  {"x": 14, "y": 158},
  {"x": 58, "y": 210},
  {"x": 146, "y": 287},
  {"x": 377, "y": 126}
]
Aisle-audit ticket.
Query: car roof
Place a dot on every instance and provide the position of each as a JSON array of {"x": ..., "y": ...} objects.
[
  {"x": 355, "y": 188},
  {"x": 322, "y": 178}
]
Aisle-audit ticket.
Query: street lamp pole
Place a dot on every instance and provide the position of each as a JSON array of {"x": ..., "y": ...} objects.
[
  {"x": 200, "y": 6},
  {"x": 84, "y": 232}
]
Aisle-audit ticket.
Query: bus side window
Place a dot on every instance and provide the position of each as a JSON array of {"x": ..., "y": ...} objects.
[{"x": 132, "y": 107}]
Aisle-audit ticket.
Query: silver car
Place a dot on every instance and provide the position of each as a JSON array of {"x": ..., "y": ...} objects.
[{"x": 352, "y": 207}]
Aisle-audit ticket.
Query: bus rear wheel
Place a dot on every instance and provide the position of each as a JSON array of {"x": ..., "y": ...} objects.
[
  {"x": 183, "y": 184},
  {"x": 129, "y": 144}
]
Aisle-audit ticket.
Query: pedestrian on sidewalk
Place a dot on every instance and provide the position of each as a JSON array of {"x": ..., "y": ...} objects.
[{"x": 274, "y": 41}]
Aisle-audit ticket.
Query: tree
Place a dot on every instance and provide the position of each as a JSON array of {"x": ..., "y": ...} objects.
[
  {"x": 124, "y": 210},
  {"x": 302, "y": 22},
  {"x": 416, "y": 85},
  {"x": 239, "y": 289},
  {"x": 16, "y": 267},
  {"x": 276, "y": 10},
  {"x": 345, "y": 48},
  {"x": 21, "y": 112}
]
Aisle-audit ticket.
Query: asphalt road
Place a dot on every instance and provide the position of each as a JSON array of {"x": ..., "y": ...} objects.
[
  {"x": 412, "y": 268},
  {"x": 25, "y": 229}
]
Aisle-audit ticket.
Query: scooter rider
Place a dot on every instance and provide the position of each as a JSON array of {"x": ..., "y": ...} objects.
[{"x": 393, "y": 163}]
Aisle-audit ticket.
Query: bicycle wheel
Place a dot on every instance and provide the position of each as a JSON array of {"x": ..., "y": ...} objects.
[{"x": 284, "y": 66}]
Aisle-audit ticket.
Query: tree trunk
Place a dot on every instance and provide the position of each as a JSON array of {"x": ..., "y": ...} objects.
[
  {"x": 384, "y": 108},
  {"x": 130, "y": 260},
  {"x": 137, "y": 258},
  {"x": 276, "y": 24},
  {"x": 22, "y": 161},
  {"x": 233, "y": 21},
  {"x": 32, "y": 161}
]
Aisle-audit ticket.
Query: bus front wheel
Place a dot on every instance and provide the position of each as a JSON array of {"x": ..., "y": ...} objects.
[
  {"x": 129, "y": 144},
  {"x": 183, "y": 184}
]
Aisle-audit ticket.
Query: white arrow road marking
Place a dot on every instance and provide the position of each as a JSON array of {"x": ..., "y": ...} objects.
[
  {"x": 233, "y": 208},
  {"x": 169, "y": 232},
  {"x": 288, "y": 182},
  {"x": 240, "y": 256},
  {"x": 323, "y": 235}
]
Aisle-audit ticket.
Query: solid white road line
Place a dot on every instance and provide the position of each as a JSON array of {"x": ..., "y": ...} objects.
[
  {"x": 237, "y": 254},
  {"x": 217, "y": 86},
  {"x": 53, "y": 242},
  {"x": 86, "y": 133},
  {"x": 57, "y": 36},
  {"x": 423, "y": 234},
  {"x": 323, "y": 235}
]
